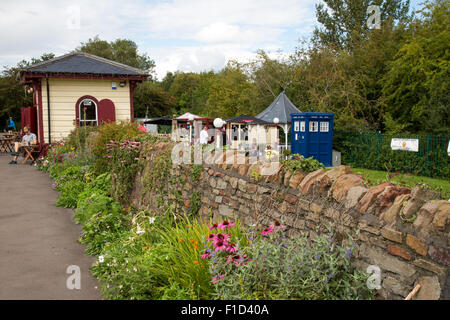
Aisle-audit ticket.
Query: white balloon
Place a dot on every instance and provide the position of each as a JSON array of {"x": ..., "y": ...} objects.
[
  {"x": 276, "y": 120},
  {"x": 218, "y": 123}
]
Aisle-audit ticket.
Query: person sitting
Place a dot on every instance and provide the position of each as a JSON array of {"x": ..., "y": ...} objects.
[
  {"x": 28, "y": 139},
  {"x": 11, "y": 125}
]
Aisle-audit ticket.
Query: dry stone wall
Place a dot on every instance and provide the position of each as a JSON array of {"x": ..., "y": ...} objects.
[{"x": 404, "y": 232}]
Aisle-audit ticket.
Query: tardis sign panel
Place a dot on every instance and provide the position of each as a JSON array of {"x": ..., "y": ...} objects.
[{"x": 312, "y": 135}]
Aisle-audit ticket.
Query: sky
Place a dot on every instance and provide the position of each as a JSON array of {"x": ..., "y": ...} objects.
[{"x": 185, "y": 35}]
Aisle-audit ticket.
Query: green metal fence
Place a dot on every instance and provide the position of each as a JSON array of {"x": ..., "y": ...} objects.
[{"x": 373, "y": 151}]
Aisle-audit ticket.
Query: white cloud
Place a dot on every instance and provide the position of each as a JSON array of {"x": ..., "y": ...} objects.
[{"x": 192, "y": 35}]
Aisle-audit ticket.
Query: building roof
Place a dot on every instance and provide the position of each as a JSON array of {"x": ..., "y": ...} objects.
[
  {"x": 83, "y": 63},
  {"x": 280, "y": 108},
  {"x": 186, "y": 116},
  {"x": 246, "y": 119},
  {"x": 161, "y": 120}
]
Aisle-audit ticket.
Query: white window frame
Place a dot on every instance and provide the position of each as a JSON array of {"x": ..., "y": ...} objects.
[
  {"x": 311, "y": 125},
  {"x": 324, "y": 126},
  {"x": 82, "y": 122},
  {"x": 302, "y": 126},
  {"x": 296, "y": 125}
]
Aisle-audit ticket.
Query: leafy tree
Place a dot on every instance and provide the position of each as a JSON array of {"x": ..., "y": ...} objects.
[
  {"x": 158, "y": 101},
  {"x": 98, "y": 47},
  {"x": 121, "y": 50},
  {"x": 417, "y": 86},
  {"x": 183, "y": 88},
  {"x": 167, "y": 81},
  {"x": 231, "y": 93},
  {"x": 344, "y": 22},
  {"x": 12, "y": 94}
]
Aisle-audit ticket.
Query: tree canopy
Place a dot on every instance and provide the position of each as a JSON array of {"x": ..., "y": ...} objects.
[
  {"x": 391, "y": 79},
  {"x": 121, "y": 50}
]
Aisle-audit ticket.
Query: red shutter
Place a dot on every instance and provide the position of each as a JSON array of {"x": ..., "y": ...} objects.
[{"x": 106, "y": 111}]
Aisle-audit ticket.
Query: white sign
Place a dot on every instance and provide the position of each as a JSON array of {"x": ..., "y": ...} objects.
[
  {"x": 405, "y": 144},
  {"x": 448, "y": 149}
]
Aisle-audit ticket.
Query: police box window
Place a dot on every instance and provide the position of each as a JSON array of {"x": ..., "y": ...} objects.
[
  {"x": 324, "y": 126},
  {"x": 313, "y": 126},
  {"x": 296, "y": 125},
  {"x": 302, "y": 126}
]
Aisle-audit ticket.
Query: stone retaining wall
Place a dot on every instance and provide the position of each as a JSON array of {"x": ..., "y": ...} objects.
[{"x": 408, "y": 250}]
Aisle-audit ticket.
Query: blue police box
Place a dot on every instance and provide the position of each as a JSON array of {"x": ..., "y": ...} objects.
[{"x": 312, "y": 135}]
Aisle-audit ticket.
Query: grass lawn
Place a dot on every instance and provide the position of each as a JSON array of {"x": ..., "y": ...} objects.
[{"x": 374, "y": 177}]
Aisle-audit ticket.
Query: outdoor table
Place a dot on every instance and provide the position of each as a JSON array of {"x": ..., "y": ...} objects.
[
  {"x": 6, "y": 144},
  {"x": 28, "y": 150}
]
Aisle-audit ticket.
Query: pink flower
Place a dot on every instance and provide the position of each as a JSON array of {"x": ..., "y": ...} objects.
[
  {"x": 211, "y": 236},
  {"x": 212, "y": 227},
  {"x": 206, "y": 255},
  {"x": 267, "y": 230},
  {"x": 220, "y": 245},
  {"x": 225, "y": 225},
  {"x": 222, "y": 237},
  {"x": 231, "y": 248},
  {"x": 109, "y": 156},
  {"x": 277, "y": 225}
]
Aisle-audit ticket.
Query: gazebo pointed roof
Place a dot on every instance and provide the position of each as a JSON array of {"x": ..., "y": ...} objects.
[{"x": 280, "y": 108}]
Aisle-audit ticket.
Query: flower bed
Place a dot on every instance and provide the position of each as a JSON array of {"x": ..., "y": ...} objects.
[{"x": 168, "y": 255}]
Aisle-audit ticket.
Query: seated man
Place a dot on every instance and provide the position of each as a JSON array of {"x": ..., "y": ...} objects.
[{"x": 27, "y": 140}]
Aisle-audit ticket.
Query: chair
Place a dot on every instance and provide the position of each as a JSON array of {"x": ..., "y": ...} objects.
[{"x": 39, "y": 152}]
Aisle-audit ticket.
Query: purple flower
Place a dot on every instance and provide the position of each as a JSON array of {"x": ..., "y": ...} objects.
[{"x": 348, "y": 253}]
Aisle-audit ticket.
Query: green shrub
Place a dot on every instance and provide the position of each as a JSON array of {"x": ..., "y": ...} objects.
[
  {"x": 69, "y": 193},
  {"x": 299, "y": 163},
  {"x": 157, "y": 259},
  {"x": 102, "y": 221},
  {"x": 62, "y": 174},
  {"x": 275, "y": 267},
  {"x": 124, "y": 164},
  {"x": 97, "y": 201},
  {"x": 101, "y": 185},
  {"x": 116, "y": 132}
]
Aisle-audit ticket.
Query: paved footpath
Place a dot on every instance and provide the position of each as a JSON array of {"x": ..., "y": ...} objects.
[{"x": 38, "y": 241}]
